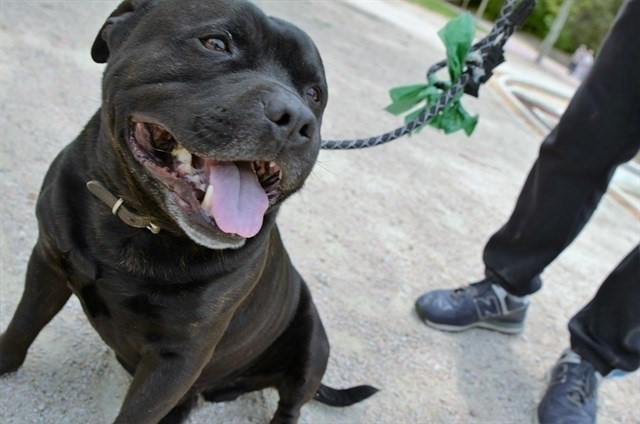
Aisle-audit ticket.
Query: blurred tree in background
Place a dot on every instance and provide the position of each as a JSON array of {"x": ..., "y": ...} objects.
[{"x": 588, "y": 23}]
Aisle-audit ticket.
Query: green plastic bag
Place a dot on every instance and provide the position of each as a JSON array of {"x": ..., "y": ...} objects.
[{"x": 457, "y": 37}]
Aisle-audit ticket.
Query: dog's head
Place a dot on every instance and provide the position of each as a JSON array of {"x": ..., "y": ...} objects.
[{"x": 214, "y": 107}]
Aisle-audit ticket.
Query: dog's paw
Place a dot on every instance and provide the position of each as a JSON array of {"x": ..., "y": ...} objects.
[{"x": 10, "y": 360}]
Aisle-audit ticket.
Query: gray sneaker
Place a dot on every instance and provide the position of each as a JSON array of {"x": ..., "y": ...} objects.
[
  {"x": 479, "y": 305},
  {"x": 572, "y": 392}
]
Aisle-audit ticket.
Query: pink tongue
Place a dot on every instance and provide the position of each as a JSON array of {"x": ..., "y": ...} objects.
[{"x": 239, "y": 202}]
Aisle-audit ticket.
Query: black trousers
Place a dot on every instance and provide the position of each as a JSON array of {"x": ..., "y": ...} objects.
[{"x": 599, "y": 131}]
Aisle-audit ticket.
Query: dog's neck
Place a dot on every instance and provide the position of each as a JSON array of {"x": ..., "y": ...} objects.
[{"x": 119, "y": 209}]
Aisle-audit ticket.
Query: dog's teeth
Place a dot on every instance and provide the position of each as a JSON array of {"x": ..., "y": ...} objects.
[
  {"x": 272, "y": 165},
  {"x": 185, "y": 168},
  {"x": 181, "y": 154},
  {"x": 196, "y": 180},
  {"x": 208, "y": 198}
]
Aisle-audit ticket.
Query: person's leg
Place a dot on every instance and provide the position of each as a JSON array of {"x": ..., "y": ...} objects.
[
  {"x": 599, "y": 130},
  {"x": 606, "y": 332},
  {"x": 605, "y": 335}
]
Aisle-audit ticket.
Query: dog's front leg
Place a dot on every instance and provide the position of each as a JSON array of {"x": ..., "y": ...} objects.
[
  {"x": 164, "y": 376},
  {"x": 158, "y": 385},
  {"x": 45, "y": 293}
]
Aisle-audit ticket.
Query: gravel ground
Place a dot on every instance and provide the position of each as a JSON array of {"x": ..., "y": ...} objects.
[{"x": 370, "y": 232}]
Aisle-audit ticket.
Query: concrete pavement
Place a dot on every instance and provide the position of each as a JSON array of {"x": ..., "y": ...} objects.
[{"x": 371, "y": 230}]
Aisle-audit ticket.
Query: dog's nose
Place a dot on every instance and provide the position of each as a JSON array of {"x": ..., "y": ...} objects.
[{"x": 290, "y": 118}]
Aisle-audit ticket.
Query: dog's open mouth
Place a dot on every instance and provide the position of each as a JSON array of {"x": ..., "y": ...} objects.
[{"x": 233, "y": 195}]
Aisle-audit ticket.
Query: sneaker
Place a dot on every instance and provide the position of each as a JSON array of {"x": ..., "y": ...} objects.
[
  {"x": 572, "y": 392},
  {"x": 483, "y": 305}
]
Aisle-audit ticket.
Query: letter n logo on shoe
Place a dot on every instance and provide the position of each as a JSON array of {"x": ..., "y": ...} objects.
[{"x": 487, "y": 307}]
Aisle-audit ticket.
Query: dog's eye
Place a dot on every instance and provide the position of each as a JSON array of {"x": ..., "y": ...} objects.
[
  {"x": 217, "y": 44},
  {"x": 315, "y": 93}
]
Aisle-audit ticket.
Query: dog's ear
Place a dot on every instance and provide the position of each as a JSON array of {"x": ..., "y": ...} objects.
[{"x": 114, "y": 29}]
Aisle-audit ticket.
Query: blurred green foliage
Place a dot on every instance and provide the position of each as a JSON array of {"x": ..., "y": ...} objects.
[
  {"x": 588, "y": 23},
  {"x": 438, "y": 6}
]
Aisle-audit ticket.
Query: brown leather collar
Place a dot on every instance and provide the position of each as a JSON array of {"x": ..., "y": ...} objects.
[{"x": 119, "y": 209}]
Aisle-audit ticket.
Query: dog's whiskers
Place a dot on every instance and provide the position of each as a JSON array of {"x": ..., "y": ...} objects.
[
  {"x": 321, "y": 165},
  {"x": 194, "y": 135}
]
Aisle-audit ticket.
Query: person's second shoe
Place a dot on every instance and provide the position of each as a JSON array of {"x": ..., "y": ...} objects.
[
  {"x": 483, "y": 304},
  {"x": 572, "y": 392}
]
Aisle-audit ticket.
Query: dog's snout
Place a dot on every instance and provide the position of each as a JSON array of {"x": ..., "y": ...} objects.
[{"x": 290, "y": 118}]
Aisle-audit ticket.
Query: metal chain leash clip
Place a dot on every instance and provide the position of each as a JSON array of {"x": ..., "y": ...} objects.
[{"x": 484, "y": 56}]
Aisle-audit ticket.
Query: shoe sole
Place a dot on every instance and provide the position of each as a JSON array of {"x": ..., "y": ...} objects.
[{"x": 501, "y": 327}]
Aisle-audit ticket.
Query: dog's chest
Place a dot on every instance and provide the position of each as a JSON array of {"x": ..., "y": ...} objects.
[{"x": 129, "y": 312}]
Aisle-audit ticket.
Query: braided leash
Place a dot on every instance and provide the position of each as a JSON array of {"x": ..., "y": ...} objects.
[{"x": 484, "y": 56}]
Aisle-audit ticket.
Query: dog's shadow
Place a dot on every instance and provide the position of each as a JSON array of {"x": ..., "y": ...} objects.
[{"x": 256, "y": 407}]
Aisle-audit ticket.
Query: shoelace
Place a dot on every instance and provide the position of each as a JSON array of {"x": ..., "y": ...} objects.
[
  {"x": 579, "y": 390},
  {"x": 578, "y": 396},
  {"x": 461, "y": 291}
]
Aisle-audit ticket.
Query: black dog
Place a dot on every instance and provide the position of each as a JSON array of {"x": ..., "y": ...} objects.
[{"x": 210, "y": 118}]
